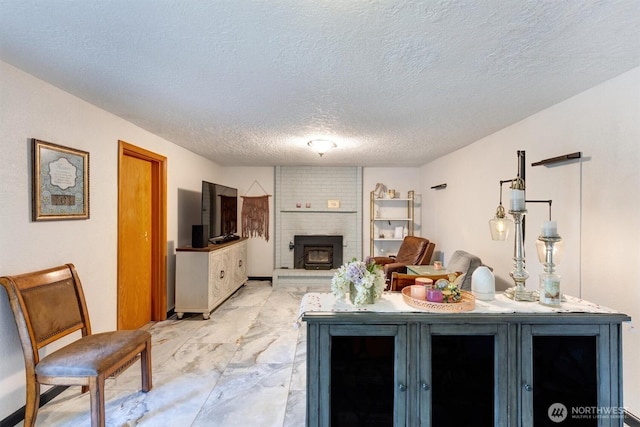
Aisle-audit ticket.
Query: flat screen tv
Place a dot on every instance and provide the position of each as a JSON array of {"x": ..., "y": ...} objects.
[{"x": 219, "y": 210}]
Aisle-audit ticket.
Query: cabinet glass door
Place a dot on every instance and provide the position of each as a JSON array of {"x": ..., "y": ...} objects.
[
  {"x": 367, "y": 375},
  {"x": 561, "y": 369},
  {"x": 467, "y": 370},
  {"x": 362, "y": 381}
]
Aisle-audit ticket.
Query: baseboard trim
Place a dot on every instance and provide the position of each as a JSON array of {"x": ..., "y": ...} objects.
[
  {"x": 18, "y": 416},
  {"x": 631, "y": 420},
  {"x": 261, "y": 278}
]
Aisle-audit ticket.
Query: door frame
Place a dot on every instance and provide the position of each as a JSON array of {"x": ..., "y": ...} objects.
[{"x": 158, "y": 224}]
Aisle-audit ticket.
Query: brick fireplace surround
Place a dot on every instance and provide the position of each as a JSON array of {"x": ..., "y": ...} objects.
[{"x": 303, "y": 196}]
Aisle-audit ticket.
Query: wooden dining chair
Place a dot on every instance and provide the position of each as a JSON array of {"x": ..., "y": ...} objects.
[{"x": 48, "y": 305}]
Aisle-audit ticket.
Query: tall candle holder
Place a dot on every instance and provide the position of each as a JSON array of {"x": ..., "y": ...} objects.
[
  {"x": 549, "y": 235},
  {"x": 518, "y": 211},
  {"x": 549, "y": 292},
  {"x": 519, "y": 274}
]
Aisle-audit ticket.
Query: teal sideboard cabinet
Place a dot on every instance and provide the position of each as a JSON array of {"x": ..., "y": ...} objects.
[{"x": 503, "y": 364}]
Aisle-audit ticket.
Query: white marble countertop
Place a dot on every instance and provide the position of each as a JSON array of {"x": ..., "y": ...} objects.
[{"x": 393, "y": 302}]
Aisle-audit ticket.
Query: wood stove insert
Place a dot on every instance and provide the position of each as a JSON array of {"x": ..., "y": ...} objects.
[{"x": 317, "y": 252}]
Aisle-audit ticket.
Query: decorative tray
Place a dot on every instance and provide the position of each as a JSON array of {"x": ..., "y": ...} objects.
[{"x": 467, "y": 303}]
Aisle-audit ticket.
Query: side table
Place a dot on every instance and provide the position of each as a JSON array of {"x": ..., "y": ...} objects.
[{"x": 425, "y": 270}]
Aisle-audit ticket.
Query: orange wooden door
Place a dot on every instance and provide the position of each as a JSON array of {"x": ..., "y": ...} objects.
[{"x": 134, "y": 243}]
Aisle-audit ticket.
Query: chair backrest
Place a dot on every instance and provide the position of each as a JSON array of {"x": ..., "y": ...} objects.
[
  {"x": 412, "y": 250},
  {"x": 428, "y": 254},
  {"x": 465, "y": 262},
  {"x": 47, "y": 305}
]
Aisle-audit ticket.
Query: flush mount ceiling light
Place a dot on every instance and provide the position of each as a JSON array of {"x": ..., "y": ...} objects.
[{"x": 321, "y": 146}]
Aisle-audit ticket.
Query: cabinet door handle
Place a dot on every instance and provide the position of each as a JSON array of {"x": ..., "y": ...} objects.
[
  {"x": 402, "y": 387},
  {"x": 240, "y": 263},
  {"x": 528, "y": 387},
  {"x": 222, "y": 274},
  {"x": 425, "y": 386}
]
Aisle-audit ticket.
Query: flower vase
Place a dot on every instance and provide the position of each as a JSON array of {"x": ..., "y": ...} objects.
[{"x": 369, "y": 297}]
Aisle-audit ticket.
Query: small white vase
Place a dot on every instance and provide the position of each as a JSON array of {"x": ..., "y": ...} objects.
[{"x": 483, "y": 284}]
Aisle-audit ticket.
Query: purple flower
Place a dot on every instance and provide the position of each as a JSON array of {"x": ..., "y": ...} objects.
[{"x": 355, "y": 272}]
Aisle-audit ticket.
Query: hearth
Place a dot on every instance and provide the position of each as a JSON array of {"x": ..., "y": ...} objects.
[{"x": 317, "y": 252}]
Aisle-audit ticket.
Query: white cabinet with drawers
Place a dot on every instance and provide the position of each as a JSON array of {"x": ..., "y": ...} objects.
[{"x": 205, "y": 277}]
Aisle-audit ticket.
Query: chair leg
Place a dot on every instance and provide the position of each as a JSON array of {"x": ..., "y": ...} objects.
[
  {"x": 96, "y": 396},
  {"x": 33, "y": 402},
  {"x": 145, "y": 367}
]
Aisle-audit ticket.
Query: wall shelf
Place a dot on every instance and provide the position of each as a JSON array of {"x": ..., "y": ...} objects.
[
  {"x": 395, "y": 208},
  {"x": 558, "y": 159}
]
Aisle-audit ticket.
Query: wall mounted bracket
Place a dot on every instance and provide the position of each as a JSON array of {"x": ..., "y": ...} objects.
[{"x": 558, "y": 159}]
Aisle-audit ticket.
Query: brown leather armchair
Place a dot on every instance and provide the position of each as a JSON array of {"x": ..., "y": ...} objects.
[{"x": 413, "y": 251}]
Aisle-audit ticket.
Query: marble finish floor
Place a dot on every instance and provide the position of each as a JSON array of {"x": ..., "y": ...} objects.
[{"x": 245, "y": 366}]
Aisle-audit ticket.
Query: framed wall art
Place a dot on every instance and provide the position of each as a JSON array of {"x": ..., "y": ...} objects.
[{"x": 60, "y": 185}]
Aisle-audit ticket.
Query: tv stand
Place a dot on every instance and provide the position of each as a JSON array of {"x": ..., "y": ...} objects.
[{"x": 205, "y": 277}]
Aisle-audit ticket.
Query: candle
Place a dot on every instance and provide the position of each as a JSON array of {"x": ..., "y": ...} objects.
[
  {"x": 419, "y": 292},
  {"x": 517, "y": 200},
  {"x": 434, "y": 295},
  {"x": 437, "y": 265},
  {"x": 550, "y": 290},
  {"x": 549, "y": 229},
  {"x": 424, "y": 281}
]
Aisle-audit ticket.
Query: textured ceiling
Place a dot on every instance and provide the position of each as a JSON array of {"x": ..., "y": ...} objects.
[{"x": 391, "y": 82}]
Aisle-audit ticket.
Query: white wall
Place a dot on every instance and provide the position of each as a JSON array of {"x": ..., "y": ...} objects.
[
  {"x": 30, "y": 108},
  {"x": 596, "y": 201},
  {"x": 252, "y": 181}
]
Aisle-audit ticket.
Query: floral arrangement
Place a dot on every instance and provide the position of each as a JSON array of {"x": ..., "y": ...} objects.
[
  {"x": 450, "y": 289},
  {"x": 363, "y": 280}
]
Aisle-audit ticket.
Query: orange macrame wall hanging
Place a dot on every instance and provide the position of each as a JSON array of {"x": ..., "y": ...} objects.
[{"x": 255, "y": 215}]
